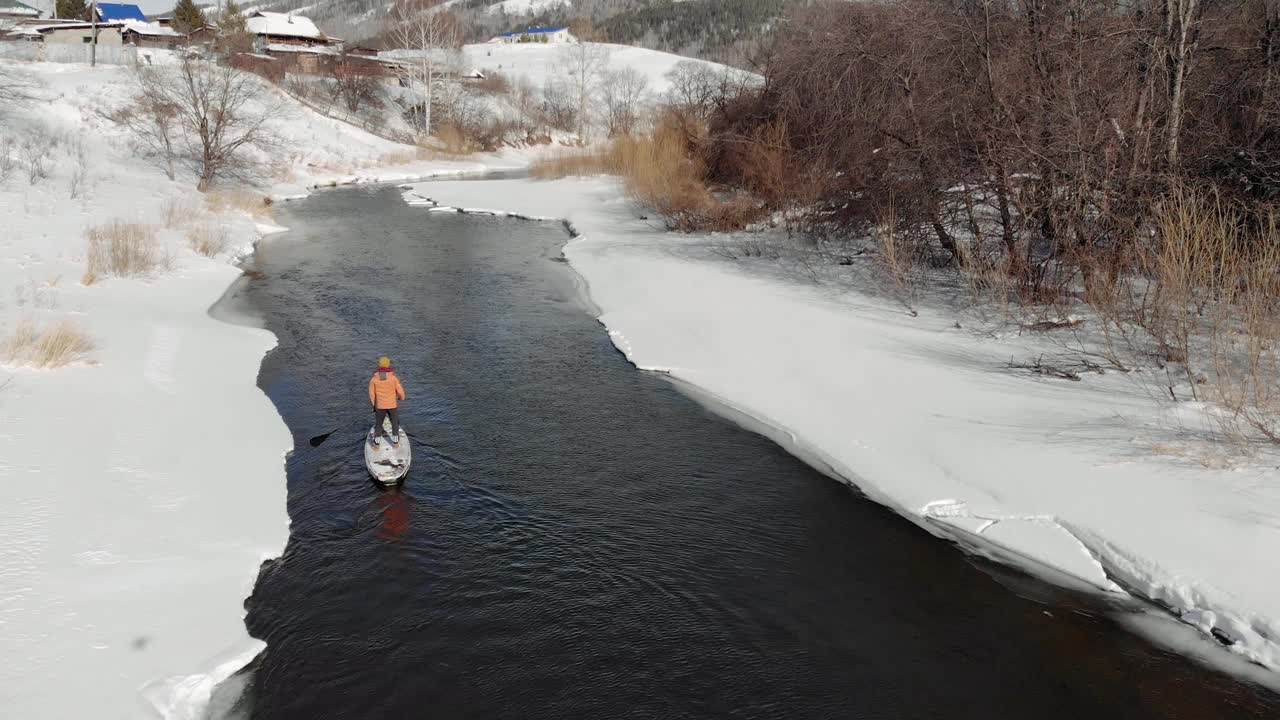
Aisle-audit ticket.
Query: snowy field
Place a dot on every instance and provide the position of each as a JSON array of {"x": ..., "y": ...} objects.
[
  {"x": 1082, "y": 483},
  {"x": 142, "y": 485}
]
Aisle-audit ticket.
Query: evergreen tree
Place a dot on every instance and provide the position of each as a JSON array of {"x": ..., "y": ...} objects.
[
  {"x": 233, "y": 32},
  {"x": 72, "y": 10},
  {"x": 187, "y": 17}
]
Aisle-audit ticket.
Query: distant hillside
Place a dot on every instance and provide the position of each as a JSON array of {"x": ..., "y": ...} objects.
[{"x": 728, "y": 31}]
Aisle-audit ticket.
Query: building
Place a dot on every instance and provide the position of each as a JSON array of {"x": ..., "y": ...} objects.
[
  {"x": 280, "y": 29},
  {"x": 150, "y": 35},
  {"x": 78, "y": 33},
  {"x": 117, "y": 12},
  {"x": 132, "y": 32},
  {"x": 536, "y": 35}
]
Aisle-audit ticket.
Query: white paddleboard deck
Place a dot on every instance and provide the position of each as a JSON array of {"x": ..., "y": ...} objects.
[{"x": 387, "y": 463}]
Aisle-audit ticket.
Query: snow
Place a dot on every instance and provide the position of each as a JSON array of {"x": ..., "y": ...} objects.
[
  {"x": 1063, "y": 479},
  {"x": 541, "y": 62},
  {"x": 527, "y": 7},
  {"x": 142, "y": 486},
  {"x": 131, "y": 532},
  {"x": 283, "y": 25},
  {"x": 151, "y": 28}
]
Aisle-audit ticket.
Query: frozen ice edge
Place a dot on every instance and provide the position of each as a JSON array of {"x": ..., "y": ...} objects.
[{"x": 1098, "y": 565}]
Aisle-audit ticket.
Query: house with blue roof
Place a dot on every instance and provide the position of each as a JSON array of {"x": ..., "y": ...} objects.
[
  {"x": 558, "y": 34},
  {"x": 118, "y": 12}
]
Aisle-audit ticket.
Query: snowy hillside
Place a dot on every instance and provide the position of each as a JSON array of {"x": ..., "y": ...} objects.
[
  {"x": 540, "y": 63},
  {"x": 529, "y": 7}
]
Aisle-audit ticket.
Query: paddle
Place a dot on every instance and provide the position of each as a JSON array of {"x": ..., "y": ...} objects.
[
  {"x": 315, "y": 441},
  {"x": 319, "y": 439}
]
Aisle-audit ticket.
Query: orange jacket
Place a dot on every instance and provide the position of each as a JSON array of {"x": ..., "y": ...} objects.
[{"x": 384, "y": 393}]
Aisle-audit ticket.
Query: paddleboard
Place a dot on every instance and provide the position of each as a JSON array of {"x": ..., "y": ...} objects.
[{"x": 387, "y": 463}]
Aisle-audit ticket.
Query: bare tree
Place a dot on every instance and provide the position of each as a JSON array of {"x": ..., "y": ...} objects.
[
  {"x": 523, "y": 99},
  {"x": 152, "y": 120},
  {"x": 583, "y": 65},
  {"x": 559, "y": 110},
  {"x": 15, "y": 87},
  {"x": 352, "y": 82},
  {"x": 433, "y": 36},
  {"x": 211, "y": 117},
  {"x": 624, "y": 92}
]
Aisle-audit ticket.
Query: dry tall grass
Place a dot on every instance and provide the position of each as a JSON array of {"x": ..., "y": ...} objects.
[
  {"x": 179, "y": 211},
  {"x": 239, "y": 200},
  {"x": 416, "y": 153},
  {"x": 208, "y": 239},
  {"x": 121, "y": 248},
  {"x": 898, "y": 256},
  {"x": 1205, "y": 302},
  {"x": 453, "y": 139},
  {"x": 53, "y": 346},
  {"x": 658, "y": 171}
]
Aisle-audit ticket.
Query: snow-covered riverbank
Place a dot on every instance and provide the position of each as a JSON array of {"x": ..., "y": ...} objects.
[
  {"x": 1082, "y": 483},
  {"x": 141, "y": 485}
]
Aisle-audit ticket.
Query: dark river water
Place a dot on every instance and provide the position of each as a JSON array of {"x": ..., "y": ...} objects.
[{"x": 577, "y": 539}]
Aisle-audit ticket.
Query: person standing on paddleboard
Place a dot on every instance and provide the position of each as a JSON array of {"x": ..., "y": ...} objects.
[{"x": 385, "y": 391}]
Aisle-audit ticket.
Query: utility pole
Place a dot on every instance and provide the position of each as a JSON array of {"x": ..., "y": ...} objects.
[{"x": 93, "y": 46}]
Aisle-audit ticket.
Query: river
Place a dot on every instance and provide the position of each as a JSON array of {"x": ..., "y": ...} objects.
[{"x": 578, "y": 539}]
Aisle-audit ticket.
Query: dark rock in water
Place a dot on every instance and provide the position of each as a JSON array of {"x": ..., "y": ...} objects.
[{"x": 1222, "y": 637}]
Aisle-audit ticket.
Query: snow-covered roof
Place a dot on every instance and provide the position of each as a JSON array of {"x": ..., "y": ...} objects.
[
  {"x": 110, "y": 12},
  {"x": 70, "y": 26},
  {"x": 13, "y": 7},
  {"x": 322, "y": 50},
  {"x": 151, "y": 28},
  {"x": 283, "y": 25},
  {"x": 534, "y": 31}
]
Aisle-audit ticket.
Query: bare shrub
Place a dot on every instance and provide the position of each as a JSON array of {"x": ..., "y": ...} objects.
[
  {"x": 700, "y": 89},
  {"x": 239, "y": 200},
  {"x": 56, "y": 345},
  {"x": 208, "y": 239},
  {"x": 8, "y": 158},
  {"x": 35, "y": 153},
  {"x": 122, "y": 249},
  {"x": 494, "y": 83},
  {"x": 79, "y": 168}
]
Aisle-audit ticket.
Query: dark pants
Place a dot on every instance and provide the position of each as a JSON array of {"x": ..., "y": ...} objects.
[{"x": 394, "y": 414}]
